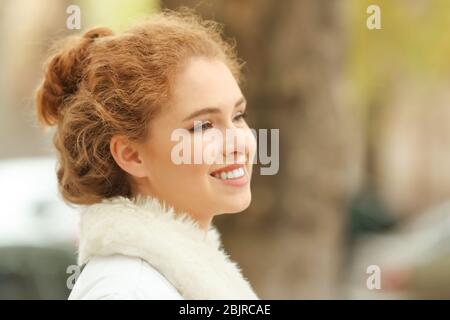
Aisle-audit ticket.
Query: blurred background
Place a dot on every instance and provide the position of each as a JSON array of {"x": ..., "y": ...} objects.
[{"x": 364, "y": 119}]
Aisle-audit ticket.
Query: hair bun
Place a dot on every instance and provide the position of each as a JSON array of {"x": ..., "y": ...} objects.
[{"x": 63, "y": 74}]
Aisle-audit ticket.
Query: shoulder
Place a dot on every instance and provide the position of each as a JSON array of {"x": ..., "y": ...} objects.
[{"x": 122, "y": 277}]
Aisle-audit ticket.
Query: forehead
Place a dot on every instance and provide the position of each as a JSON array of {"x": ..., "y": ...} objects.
[{"x": 203, "y": 82}]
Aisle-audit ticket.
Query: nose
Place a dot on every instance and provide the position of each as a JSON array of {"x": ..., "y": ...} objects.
[{"x": 236, "y": 144}]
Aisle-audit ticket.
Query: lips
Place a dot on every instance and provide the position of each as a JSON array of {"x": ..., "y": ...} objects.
[{"x": 234, "y": 171}]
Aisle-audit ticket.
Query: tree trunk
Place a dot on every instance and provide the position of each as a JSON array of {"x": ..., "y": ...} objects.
[{"x": 289, "y": 243}]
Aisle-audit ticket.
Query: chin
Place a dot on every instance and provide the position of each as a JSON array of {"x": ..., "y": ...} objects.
[{"x": 236, "y": 203}]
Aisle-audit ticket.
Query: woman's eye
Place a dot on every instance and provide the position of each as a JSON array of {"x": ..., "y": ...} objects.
[
  {"x": 201, "y": 126},
  {"x": 240, "y": 116}
]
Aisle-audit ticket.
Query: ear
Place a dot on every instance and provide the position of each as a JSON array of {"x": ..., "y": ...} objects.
[{"x": 127, "y": 156}]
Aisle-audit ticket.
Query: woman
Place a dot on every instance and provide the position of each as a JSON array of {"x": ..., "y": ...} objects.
[{"x": 116, "y": 100}]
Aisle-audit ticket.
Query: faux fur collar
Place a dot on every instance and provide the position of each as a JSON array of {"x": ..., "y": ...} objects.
[{"x": 190, "y": 258}]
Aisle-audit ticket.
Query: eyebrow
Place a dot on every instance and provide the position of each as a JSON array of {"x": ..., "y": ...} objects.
[{"x": 209, "y": 110}]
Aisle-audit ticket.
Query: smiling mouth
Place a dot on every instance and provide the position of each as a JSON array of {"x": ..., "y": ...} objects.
[{"x": 231, "y": 172}]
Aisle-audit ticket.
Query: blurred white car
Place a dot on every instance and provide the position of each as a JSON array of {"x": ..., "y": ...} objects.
[{"x": 32, "y": 212}]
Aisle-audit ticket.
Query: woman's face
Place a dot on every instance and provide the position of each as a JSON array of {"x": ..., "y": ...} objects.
[{"x": 205, "y": 97}]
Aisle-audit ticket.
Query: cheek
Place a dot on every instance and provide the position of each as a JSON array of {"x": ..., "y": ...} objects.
[
  {"x": 212, "y": 150},
  {"x": 207, "y": 149},
  {"x": 185, "y": 173}
]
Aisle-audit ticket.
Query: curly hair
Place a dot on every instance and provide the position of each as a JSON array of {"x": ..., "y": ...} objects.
[{"x": 99, "y": 85}]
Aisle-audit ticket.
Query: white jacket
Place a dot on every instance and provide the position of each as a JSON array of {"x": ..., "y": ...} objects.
[{"x": 141, "y": 249}]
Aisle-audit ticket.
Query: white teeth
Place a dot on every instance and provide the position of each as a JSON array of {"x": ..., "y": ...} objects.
[{"x": 234, "y": 174}]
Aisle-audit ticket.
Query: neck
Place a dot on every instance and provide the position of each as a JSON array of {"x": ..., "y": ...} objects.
[
  {"x": 204, "y": 224},
  {"x": 203, "y": 221}
]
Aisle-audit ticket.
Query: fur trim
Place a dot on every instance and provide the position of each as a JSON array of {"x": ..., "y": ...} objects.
[{"x": 190, "y": 258}]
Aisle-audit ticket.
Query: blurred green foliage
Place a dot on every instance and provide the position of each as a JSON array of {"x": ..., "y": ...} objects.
[
  {"x": 413, "y": 42},
  {"x": 116, "y": 14}
]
